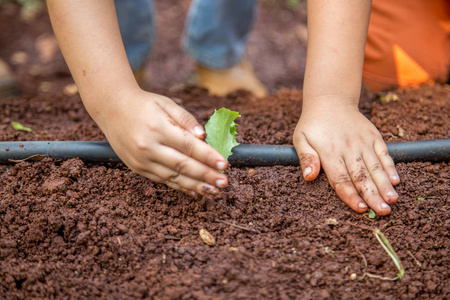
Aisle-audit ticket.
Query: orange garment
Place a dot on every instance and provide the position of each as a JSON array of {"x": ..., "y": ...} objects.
[{"x": 408, "y": 44}]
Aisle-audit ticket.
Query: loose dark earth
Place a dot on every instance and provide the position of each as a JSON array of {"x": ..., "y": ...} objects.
[{"x": 74, "y": 230}]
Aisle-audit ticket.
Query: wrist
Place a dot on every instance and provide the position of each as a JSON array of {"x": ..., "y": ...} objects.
[
  {"x": 107, "y": 104},
  {"x": 329, "y": 102}
]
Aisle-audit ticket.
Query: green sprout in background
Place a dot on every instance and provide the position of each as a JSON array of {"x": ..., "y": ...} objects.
[
  {"x": 420, "y": 198},
  {"x": 19, "y": 126}
]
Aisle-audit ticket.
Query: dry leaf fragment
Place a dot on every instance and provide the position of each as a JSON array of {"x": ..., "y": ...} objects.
[
  {"x": 389, "y": 97},
  {"x": 331, "y": 221},
  {"x": 401, "y": 131},
  {"x": 70, "y": 89},
  {"x": 19, "y": 58},
  {"x": 207, "y": 237}
]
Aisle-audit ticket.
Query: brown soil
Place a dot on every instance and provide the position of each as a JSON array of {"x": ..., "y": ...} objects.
[{"x": 72, "y": 230}]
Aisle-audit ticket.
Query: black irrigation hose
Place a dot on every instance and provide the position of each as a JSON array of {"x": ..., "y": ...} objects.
[
  {"x": 243, "y": 155},
  {"x": 261, "y": 155}
]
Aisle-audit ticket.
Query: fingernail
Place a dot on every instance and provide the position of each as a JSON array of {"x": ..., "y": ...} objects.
[
  {"x": 198, "y": 130},
  {"x": 221, "y": 183},
  {"x": 384, "y": 206},
  {"x": 221, "y": 165},
  {"x": 209, "y": 189},
  {"x": 391, "y": 194},
  {"x": 307, "y": 171},
  {"x": 394, "y": 178},
  {"x": 362, "y": 205}
]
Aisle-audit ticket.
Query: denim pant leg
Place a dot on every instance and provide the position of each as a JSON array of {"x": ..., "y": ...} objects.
[
  {"x": 217, "y": 31},
  {"x": 137, "y": 29}
]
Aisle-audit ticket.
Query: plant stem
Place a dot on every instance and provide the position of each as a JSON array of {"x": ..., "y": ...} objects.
[{"x": 390, "y": 251}]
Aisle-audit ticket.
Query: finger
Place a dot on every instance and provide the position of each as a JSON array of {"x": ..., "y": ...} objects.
[
  {"x": 366, "y": 187},
  {"x": 341, "y": 182},
  {"x": 380, "y": 178},
  {"x": 173, "y": 185},
  {"x": 180, "y": 182},
  {"x": 386, "y": 161},
  {"x": 184, "y": 142},
  {"x": 309, "y": 159},
  {"x": 184, "y": 119},
  {"x": 152, "y": 176},
  {"x": 189, "y": 167}
]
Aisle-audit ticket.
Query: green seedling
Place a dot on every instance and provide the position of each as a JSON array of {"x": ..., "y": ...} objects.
[
  {"x": 221, "y": 131},
  {"x": 390, "y": 251},
  {"x": 18, "y": 126},
  {"x": 420, "y": 198},
  {"x": 372, "y": 214}
]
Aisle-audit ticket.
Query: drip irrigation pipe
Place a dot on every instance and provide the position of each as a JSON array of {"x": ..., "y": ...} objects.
[{"x": 243, "y": 155}]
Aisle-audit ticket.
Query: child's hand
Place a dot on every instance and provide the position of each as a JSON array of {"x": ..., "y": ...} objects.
[
  {"x": 150, "y": 133},
  {"x": 160, "y": 140},
  {"x": 351, "y": 152}
]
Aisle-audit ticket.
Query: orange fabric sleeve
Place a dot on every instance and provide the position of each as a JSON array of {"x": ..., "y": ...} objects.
[{"x": 408, "y": 44}]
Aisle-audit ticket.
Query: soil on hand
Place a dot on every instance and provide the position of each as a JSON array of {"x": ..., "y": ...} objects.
[{"x": 75, "y": 230}]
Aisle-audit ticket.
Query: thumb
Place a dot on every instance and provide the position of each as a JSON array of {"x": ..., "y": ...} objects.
[{"x": 309, "y": 159}]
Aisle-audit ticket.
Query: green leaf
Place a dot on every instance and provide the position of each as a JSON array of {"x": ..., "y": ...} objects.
[
  {"x": 221, "y": 131},
  {"x": 18, "y": 126},
  {"x": 372, "y": 214},
  {"x": 420, "y": 198}
]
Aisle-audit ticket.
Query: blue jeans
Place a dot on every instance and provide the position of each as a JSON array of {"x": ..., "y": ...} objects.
[{"x": 215, "y": 35}]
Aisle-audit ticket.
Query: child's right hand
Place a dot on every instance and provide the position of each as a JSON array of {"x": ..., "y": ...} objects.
[
  {"x": 160, "y": 140},
  {"x": 150, "y": 133}
]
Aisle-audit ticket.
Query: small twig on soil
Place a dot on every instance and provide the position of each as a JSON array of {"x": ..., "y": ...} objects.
[
  {"x": 361, "y": 226},
  {"x": 364, "y": 259},
  {"x": 415, "y": 259},
  {"x": 384, "y": 226},
  {"x": 399, "y": 226},
  {"x": 379, "y": 277},
  {"x": 171, "y": 237},
  {"x": 182, "y": 240},
  {"x": 350, "y": 223},
  {"x": 366, "y": 217},
  {"x": 370, "y": 274},
  {"x": 238, "y": 226}
]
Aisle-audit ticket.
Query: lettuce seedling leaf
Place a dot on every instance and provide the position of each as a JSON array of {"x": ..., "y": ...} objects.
[{"x": 221, "y": 131}]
